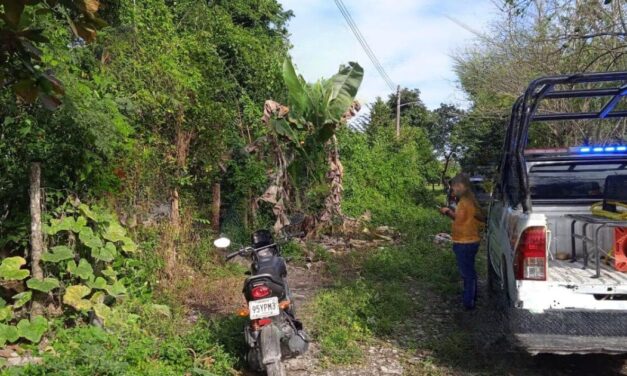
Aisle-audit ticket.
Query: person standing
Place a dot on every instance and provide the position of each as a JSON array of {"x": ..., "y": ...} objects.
[{"x": 467, "y": 219}]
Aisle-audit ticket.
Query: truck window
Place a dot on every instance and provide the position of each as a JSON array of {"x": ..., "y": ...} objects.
[{"x": 571, "y": 180}]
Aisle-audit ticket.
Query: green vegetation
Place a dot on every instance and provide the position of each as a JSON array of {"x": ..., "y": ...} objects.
[
  {"x": 144, "y": 340},
  {"x": 131, "y": 135},
  {"x": 533, "y": 39},
  {"x": 129, "y": 157},
  {"x": 381, "y": 300}
]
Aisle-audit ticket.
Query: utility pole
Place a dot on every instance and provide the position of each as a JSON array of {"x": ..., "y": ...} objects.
[{"x": 398, "y": 111}]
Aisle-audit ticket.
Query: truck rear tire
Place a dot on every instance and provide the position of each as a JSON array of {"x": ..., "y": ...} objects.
[
  {"x": 493, "y": 278},
  {"x": 502, "y": 296}
]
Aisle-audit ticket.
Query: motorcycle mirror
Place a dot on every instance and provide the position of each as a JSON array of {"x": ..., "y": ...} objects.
[{"x": 222, "y": 242}]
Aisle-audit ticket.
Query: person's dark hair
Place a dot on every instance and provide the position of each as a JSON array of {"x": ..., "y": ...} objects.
[{"x": 464, "y": 180}]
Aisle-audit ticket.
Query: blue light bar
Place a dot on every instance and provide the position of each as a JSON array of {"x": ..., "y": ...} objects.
[{"x": 600, "y": 149}]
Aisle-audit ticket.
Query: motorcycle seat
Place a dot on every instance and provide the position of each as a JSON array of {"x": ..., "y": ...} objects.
[{"x": 271, "y": 277}]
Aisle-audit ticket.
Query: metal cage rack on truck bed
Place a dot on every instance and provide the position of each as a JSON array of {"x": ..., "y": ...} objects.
[{"x": 524, "y": 112}]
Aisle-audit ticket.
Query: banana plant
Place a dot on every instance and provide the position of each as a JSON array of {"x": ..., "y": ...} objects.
[{"x": 303, "y": 136}]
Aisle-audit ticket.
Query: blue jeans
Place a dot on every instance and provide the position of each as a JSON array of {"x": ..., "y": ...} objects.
[{"x": 465, "y": 255}]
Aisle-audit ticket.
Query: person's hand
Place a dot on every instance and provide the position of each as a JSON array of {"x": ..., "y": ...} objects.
[{"x": 445, "y": 210}]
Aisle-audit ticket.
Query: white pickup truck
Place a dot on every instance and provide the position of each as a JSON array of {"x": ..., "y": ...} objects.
[{"x": 560, "y": 293}]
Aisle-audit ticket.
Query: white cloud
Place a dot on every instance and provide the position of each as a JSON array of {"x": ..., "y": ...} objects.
[{"x": 413, "y": 39}]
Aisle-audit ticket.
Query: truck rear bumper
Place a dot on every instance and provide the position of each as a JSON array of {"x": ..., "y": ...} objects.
[
  {"x": 565, "y": 344},
  {"x": 570, "y": 331}
]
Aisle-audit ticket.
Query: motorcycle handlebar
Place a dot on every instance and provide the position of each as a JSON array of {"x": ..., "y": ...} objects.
[
  {"x": 243, "y": 251},
  {"x": 231, "y": 255}
]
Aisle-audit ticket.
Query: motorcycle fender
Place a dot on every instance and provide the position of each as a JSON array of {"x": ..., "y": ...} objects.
[{"x": 270, "y": 344}]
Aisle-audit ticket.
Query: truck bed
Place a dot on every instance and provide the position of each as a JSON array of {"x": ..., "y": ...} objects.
[{"x": 574, "y": 272}]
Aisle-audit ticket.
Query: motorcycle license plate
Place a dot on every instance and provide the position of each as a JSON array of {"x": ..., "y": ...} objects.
[{"x": 260, "y": 309}]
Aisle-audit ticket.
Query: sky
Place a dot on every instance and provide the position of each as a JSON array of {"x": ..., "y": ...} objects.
[{"x": 413, "y": 39}]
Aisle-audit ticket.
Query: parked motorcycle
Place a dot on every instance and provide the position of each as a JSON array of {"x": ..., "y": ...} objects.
[{"x": 273, "y": 334}]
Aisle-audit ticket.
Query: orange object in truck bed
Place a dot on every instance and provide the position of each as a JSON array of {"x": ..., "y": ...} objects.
[{"x": 620, "y": 249}]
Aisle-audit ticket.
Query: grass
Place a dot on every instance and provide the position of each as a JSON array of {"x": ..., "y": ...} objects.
[
  {"x": 141, "y": 342},
  {"x": 388, "y": 294},
  {"x": 376, "y": 292}
]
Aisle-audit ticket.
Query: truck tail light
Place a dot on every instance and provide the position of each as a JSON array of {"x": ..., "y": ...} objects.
[{"x": 530, "y": 258}]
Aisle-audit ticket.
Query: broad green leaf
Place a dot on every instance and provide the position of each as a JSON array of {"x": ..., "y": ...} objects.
[
  {"x": 8, "y": 333},
  {"x": 13, "y": 262},
  {"x": 110, "y": 273},
  {"x": 129, "y": 245},
  {"x": 106, "y": 253},
  {"x": 283, "y": 128},
  {"x": 102, "y": 311},
  {"x": 81, "y": 223},
  {"x": 3, "y": 303},
  {"x": 89, "y": 239},
  {"x": 44, "y": 285},
  {"x": 297, "y": 89},
  {"x": 116, "y": 289},
  {"x": 14, "y": 275},
  {"x": 63, "y": 224},
  {"x": 32, "y": 330},
  {"x": 57, "y": 254},
  {"x": 88, "y": 212},
  {"x": 343, "y": 88},
  {"x": 6, "y": 313},
  {"x": 10, "y": 269},
  {"x": 114, "y": 232},
  {"x": 82, "y": 270},
  {"x": 74, "y": 297},
  {"x": 99, "y": 283},
  {"x": 22, "y": 298},
  {"x": 98, "y": 297}
]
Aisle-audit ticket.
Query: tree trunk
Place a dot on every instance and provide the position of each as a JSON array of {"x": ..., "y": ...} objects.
[
  {"x": 36, "y": 237},
  {"x": 183, "y": 140},
  {"x": 335, "y": 176},
  {"x": 173, "y": 234},
  {"x": 215, "y": 207},
  {"x": 447, "y": 161}
]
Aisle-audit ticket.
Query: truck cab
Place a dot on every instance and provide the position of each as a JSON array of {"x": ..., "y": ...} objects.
[{"x": 551, "y": 264}]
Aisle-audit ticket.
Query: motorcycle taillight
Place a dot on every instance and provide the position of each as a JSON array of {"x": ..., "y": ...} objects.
[
  {"x": 264, "y": 322},
  {"x": 260, "y": 291}
]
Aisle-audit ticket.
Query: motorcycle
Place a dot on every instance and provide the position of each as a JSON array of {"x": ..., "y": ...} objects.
[{"x": 273, "y": 333}]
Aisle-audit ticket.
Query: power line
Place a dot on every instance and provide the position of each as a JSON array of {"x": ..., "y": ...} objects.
[
  {"x": 362, "y": 40},
  {"x": 364, "y": 44}
]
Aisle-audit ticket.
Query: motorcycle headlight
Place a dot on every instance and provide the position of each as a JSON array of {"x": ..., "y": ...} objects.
[{"x": 265, "y": 253}]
